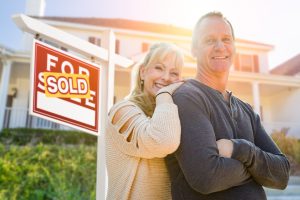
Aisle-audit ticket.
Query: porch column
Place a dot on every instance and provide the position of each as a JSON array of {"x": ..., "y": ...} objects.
[
  {"x": 6, "y": 69},
  {"x": 133, "y": 75},
  {"x": 256, "y": 99}
]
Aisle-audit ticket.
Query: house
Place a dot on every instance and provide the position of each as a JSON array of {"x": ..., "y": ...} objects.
[
  {"x": 273, "y": 95},
  {"x": 290, "y": 67}
]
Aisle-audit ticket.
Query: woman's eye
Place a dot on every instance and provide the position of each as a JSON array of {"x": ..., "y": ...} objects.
[
  {"x": 158, "y": 67},
  {"x": 174, "y": 74}
]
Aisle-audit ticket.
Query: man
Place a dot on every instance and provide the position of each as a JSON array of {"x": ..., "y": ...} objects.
[{"x": 225, "y": 152}]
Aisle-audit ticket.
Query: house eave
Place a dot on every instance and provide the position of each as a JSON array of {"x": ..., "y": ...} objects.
[{"x": 270, "y": 79}]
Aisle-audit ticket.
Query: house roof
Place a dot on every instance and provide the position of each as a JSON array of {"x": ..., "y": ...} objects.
[
  {"x": 124, "y": 24},
  {"x": 5, "y": 50},
  {"x": 289, "y": 67},
  {"x": 137, "y": 26}
]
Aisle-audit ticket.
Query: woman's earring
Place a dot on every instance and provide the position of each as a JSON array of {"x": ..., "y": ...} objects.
[{"x": 142, "y": 85}]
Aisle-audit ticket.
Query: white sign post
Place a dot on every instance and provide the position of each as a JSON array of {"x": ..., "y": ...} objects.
[{"x": 64, "y": 86}]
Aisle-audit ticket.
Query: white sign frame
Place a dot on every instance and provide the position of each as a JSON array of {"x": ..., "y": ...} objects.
[{"x": 54, "y": 100}]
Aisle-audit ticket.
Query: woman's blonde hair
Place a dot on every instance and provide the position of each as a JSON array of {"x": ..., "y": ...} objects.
[{"x": 157, "y": 52}]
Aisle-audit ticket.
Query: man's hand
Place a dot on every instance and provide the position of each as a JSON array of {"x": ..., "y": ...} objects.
[{"x": 225, "y": 147}]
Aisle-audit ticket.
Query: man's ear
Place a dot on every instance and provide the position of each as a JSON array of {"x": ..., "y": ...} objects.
[{"x": 142, "y": 72}]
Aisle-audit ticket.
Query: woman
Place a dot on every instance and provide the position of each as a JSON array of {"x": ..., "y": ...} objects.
[{"x": 145, "y": 128}]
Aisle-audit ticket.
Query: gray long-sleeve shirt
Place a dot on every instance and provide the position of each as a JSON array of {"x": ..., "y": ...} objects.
[{"x": 196, "y": 169}]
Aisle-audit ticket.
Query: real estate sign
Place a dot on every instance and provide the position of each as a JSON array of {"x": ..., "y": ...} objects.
[{"x": 65, "y": 88}]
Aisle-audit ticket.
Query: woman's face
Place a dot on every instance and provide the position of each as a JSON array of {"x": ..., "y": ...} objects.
[{"x": 160, "y": 74}]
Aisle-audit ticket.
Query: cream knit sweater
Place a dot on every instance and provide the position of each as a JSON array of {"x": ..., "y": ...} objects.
[{"x": 135, "y": 165}]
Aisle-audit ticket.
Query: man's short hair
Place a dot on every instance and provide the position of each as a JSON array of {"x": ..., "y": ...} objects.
[{"x": 207, "y": 15}]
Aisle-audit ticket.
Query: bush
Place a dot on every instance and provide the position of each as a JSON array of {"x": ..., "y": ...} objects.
[
  {"x": 287, "y": 144},
  {"x": 290, "y": 146},
  {"x": 24, "y": 136},
  {"x": 47, "y": 172}
]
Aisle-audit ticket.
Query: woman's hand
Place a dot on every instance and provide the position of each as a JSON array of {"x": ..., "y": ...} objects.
[
  {"x": 170, "y": 89},
  {"x": 225, "y": 147}
]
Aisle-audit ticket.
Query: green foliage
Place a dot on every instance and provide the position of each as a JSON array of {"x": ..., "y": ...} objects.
[
  {"x": 42, "y": 172},
  {"x": 24, "y": 136},
  {"x": 290, "y": 146},
  {"x": 287, "y": 144}
]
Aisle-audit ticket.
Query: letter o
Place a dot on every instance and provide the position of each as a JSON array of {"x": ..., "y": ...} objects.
[
  {"x": 69, "y": 65},
  {"x": 60, "y": 82}
]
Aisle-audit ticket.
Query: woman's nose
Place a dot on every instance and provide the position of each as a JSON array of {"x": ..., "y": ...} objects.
[{"x": 166, "y": 76}]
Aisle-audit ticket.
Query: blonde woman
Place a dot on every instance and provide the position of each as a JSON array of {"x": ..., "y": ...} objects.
[{"x": 144, "y": 128}]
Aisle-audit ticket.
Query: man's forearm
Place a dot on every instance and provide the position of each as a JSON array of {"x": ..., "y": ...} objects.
[
  {"x": 207, "y": 172},
  {"x": 268, "y": 169}
]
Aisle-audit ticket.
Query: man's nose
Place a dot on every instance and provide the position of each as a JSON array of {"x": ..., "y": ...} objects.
[{"x": 219, "y": 45}]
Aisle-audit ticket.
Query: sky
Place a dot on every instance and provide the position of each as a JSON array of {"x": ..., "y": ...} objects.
[{"x": 274, "y": 22}]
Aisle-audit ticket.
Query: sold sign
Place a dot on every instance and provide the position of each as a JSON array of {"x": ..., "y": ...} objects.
[
  {"x": 66, "y": 85},
  {"x": 65, "y": 88}
]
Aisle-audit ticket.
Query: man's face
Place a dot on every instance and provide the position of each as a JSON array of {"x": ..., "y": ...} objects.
[{"x": 215, "y": 46}]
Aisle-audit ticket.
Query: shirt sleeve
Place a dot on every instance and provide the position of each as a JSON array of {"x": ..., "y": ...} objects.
[
  {"x": 264, "y": 161},
  {"x": 198, "y": 156},
  {"x": 147, "y": 137}
]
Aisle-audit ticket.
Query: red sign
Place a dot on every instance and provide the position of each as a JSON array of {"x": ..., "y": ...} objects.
[{"x": 65, "y": 88}]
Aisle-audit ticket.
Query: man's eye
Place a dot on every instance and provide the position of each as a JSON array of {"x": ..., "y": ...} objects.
[
  {"x": 227, "y": 40},
  {"x": 210, "y": 41}
]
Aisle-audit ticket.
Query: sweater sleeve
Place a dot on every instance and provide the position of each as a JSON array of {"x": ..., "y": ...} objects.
[
  {"x": 198, "y": 156},
  {"x": 147, "y": 137},
  {"x": 264, "y": 161}
]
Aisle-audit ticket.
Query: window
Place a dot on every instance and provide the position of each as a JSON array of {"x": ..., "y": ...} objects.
[
  {"x": 145, "y": 47},
  {"x": 117, "y": 46},
  {"x": 9, "y": 101},
  {"x": 256, "y": 64},
  {"x": 236, "y": 62},
  {"x": 95, "y": 41},
  {"x": 246, "y": 63}
]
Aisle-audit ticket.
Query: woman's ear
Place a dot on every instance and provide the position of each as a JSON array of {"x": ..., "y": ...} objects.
[{"x": 142, "y": 72}]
